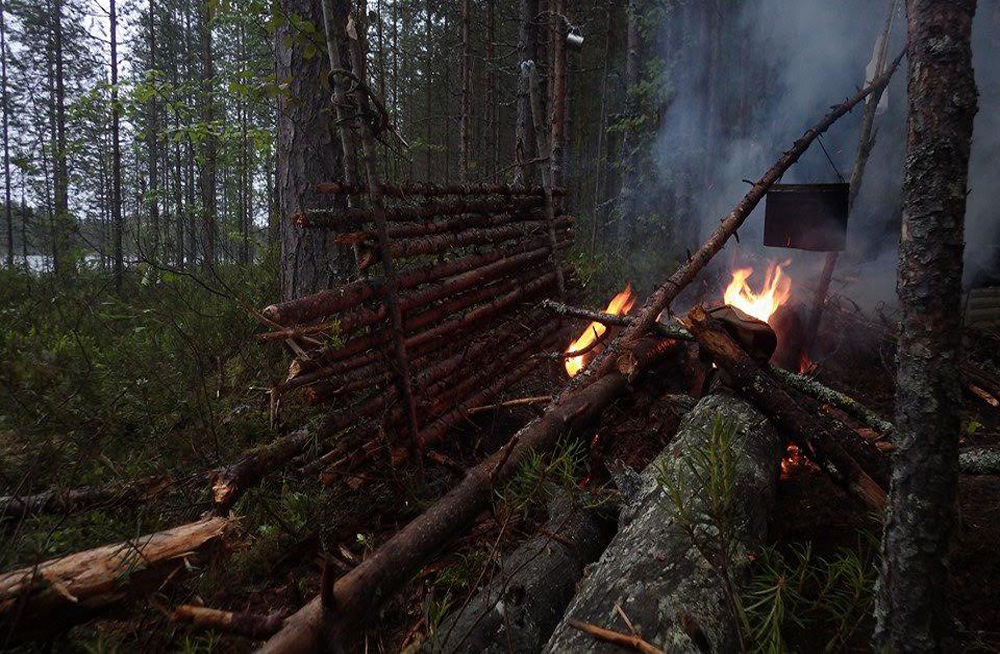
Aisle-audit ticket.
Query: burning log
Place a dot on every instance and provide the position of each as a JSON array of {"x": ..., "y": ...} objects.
[
  {"x": 660, "y": 300},
  {"x": 426, "y": 189},
  {"x": 319, "y": 305},
  {"x": 671, "y": 565},
  {"x": 39, "y": 600},
  {"x": 812, "y": 437},
  {"x": 355, "y": 596},
  {"x": 350, "y": 217},
  {"x": 519, "y": 608},
  {"x": 446, "y": 288},
  {"x": 243, "y": 623}
]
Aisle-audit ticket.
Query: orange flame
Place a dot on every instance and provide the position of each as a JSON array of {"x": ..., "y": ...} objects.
[
  {"x": 777, "y": 289},
  {"x": 620, "y": 304}
]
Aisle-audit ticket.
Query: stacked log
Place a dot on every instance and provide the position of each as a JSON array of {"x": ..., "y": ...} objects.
[{"x": 473, "y": 257}]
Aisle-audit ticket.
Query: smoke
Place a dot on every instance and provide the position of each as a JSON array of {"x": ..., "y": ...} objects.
[{"x": 722, "y": 125}]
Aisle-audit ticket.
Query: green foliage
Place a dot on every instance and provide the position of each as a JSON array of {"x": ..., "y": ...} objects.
[{"x": 542, "y": 475}]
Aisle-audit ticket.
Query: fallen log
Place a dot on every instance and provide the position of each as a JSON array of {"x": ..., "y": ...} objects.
[
  {"x": 676, "y": 564},
  {"x": 848, "y": 405},
  {"x": 326, "y": 303},
  {"x": 519, "y": 608},
  {"x": 255, "y": 626},
  {"x": 87, "y": 498},
  {"x": 350, "y": 217},
  {"x": 659, "y": 329},
  {"x": 39, "y": 600},
  {"x": 356, "y": 596},
  {"x": 661, "y": 298},
  {"x": 979, "y": 461},
  {"x": 812, "y": 436}
]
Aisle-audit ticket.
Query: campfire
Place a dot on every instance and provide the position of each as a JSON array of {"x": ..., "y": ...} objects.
[
  {"x": 775, "y": 292},
  {"x": 587, "y": 344}
]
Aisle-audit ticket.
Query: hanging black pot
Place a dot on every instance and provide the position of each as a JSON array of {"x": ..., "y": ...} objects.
[{"x": 807, "y": 217}]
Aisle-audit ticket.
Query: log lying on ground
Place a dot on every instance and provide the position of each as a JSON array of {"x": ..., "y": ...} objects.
[
  {"x": 86, "y": 498},
  {"x": 39, "y": 600},
  {"x": 325, "y": 303},
  {"x": 356, "y": 596},
  {"x": 519, "y": 608},
  {"x": 662, "y": 567},
  {"x": 812, "y": 436},
  {"x": 242, "y": 623},
  {"x": 848, "y": 405},
  {"x": 341, "y": 218},
  {"x": 979, "y": 461},
  {"x": 427, "y": 189}
]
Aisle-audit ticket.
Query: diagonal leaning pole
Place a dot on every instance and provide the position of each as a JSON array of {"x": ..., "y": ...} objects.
[{"x": 356, "y": 596}]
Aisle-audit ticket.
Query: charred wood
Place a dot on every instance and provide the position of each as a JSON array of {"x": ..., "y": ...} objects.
[{"x": 813, "y": 437}]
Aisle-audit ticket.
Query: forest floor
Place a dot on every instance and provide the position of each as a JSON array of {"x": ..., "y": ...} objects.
[{"x": 98, "y": 390}]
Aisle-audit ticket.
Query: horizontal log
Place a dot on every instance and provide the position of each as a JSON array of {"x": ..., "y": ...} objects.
[
  {"x": 848, "y": 405},
  {"x": 812, "y": 437},
  {"x": 664, "y": 330},
  {"x": 979, "y": 461},
  {"x": 348, "y": 218},
  {"x": 242, "y": 623},
  {"x": 363, "y": 316},
  {"x": 326, "y": 303},
  {"x": 668, "y": 582},
  {"x": 86, "y": 498},
  {"x": 439, "y": 226},
  {"x": 357, "y": 595},
  {"x": 38, "y": 600},
  {"x": 426, "y": 189},
  {"x": 521, "y": 605},
  {"x": 405, "y": 248}
]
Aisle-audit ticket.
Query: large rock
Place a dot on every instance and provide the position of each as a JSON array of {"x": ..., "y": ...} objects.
[{"x": 653, "y": 569}]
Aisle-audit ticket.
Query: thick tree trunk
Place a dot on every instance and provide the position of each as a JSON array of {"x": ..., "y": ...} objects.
[
  {"x": 307, "y": 154},
  {"x": 912, "y": 599},
  {"x": 665, "y": 570},
  {"x": 518, "y": 609}
]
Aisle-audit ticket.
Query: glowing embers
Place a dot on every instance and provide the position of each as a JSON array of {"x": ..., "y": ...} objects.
[
  {"x": 761, "y": 305},
  {"x": 585, "y": 344}
]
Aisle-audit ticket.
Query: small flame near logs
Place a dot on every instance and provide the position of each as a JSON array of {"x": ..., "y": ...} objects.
[
  {"x": 791, "y": 461},
  {"x": 775, "y": 292},
  {"x": 620, "y": 304}
]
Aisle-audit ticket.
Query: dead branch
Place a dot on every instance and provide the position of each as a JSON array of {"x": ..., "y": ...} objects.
[
  {"x": 255, "y": 626},
  {"x": 659, "y": 329},
  {"x": 622, "y": 640}
]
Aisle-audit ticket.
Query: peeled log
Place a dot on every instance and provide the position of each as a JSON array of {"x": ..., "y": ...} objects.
[
  {"x": 39, "y": 600},
  {"x": 518, "y": 609},
  {"x": 664, "y": 583}
]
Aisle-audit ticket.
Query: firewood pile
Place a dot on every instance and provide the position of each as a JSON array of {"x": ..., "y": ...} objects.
[{"x": 474, "y": 258}]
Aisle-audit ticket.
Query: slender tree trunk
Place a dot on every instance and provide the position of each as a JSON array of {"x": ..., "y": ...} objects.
[
  {"x": 527, "y": 50},
  {"x": 912, "y": 606},
  {"x": 117, "y": 227},
  {"x": 8, "y": 210},
  {"x": 152, "y": 127},
  {"x": 63, "y": 223},
  {"x": 428, "y": 123},
  {"x": 558, "y": 109},
  {"x": 491, "y": 144},
  {"x": 210, "y": 148},
  {"x": 465, "y": 138},
  {"x": 625, "y": 205}
]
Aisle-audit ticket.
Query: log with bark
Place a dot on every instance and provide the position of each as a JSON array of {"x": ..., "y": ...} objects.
[
  {"x": 441, "y": 225},
  {"x": 87, "y": 498},
  {"x": 242, "y": 623},
  {"x": 672, "y": 568},
  {"x": 812, "y": 436},
  {"x": 427, "y": 189},
  {"x": 325, "y": 303},
  {"x": 348, "y": 219},
  {"x": 519, "y": 608},
  {"x": 39, "y": 600},
  {"x": 355, "y": 597}
]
